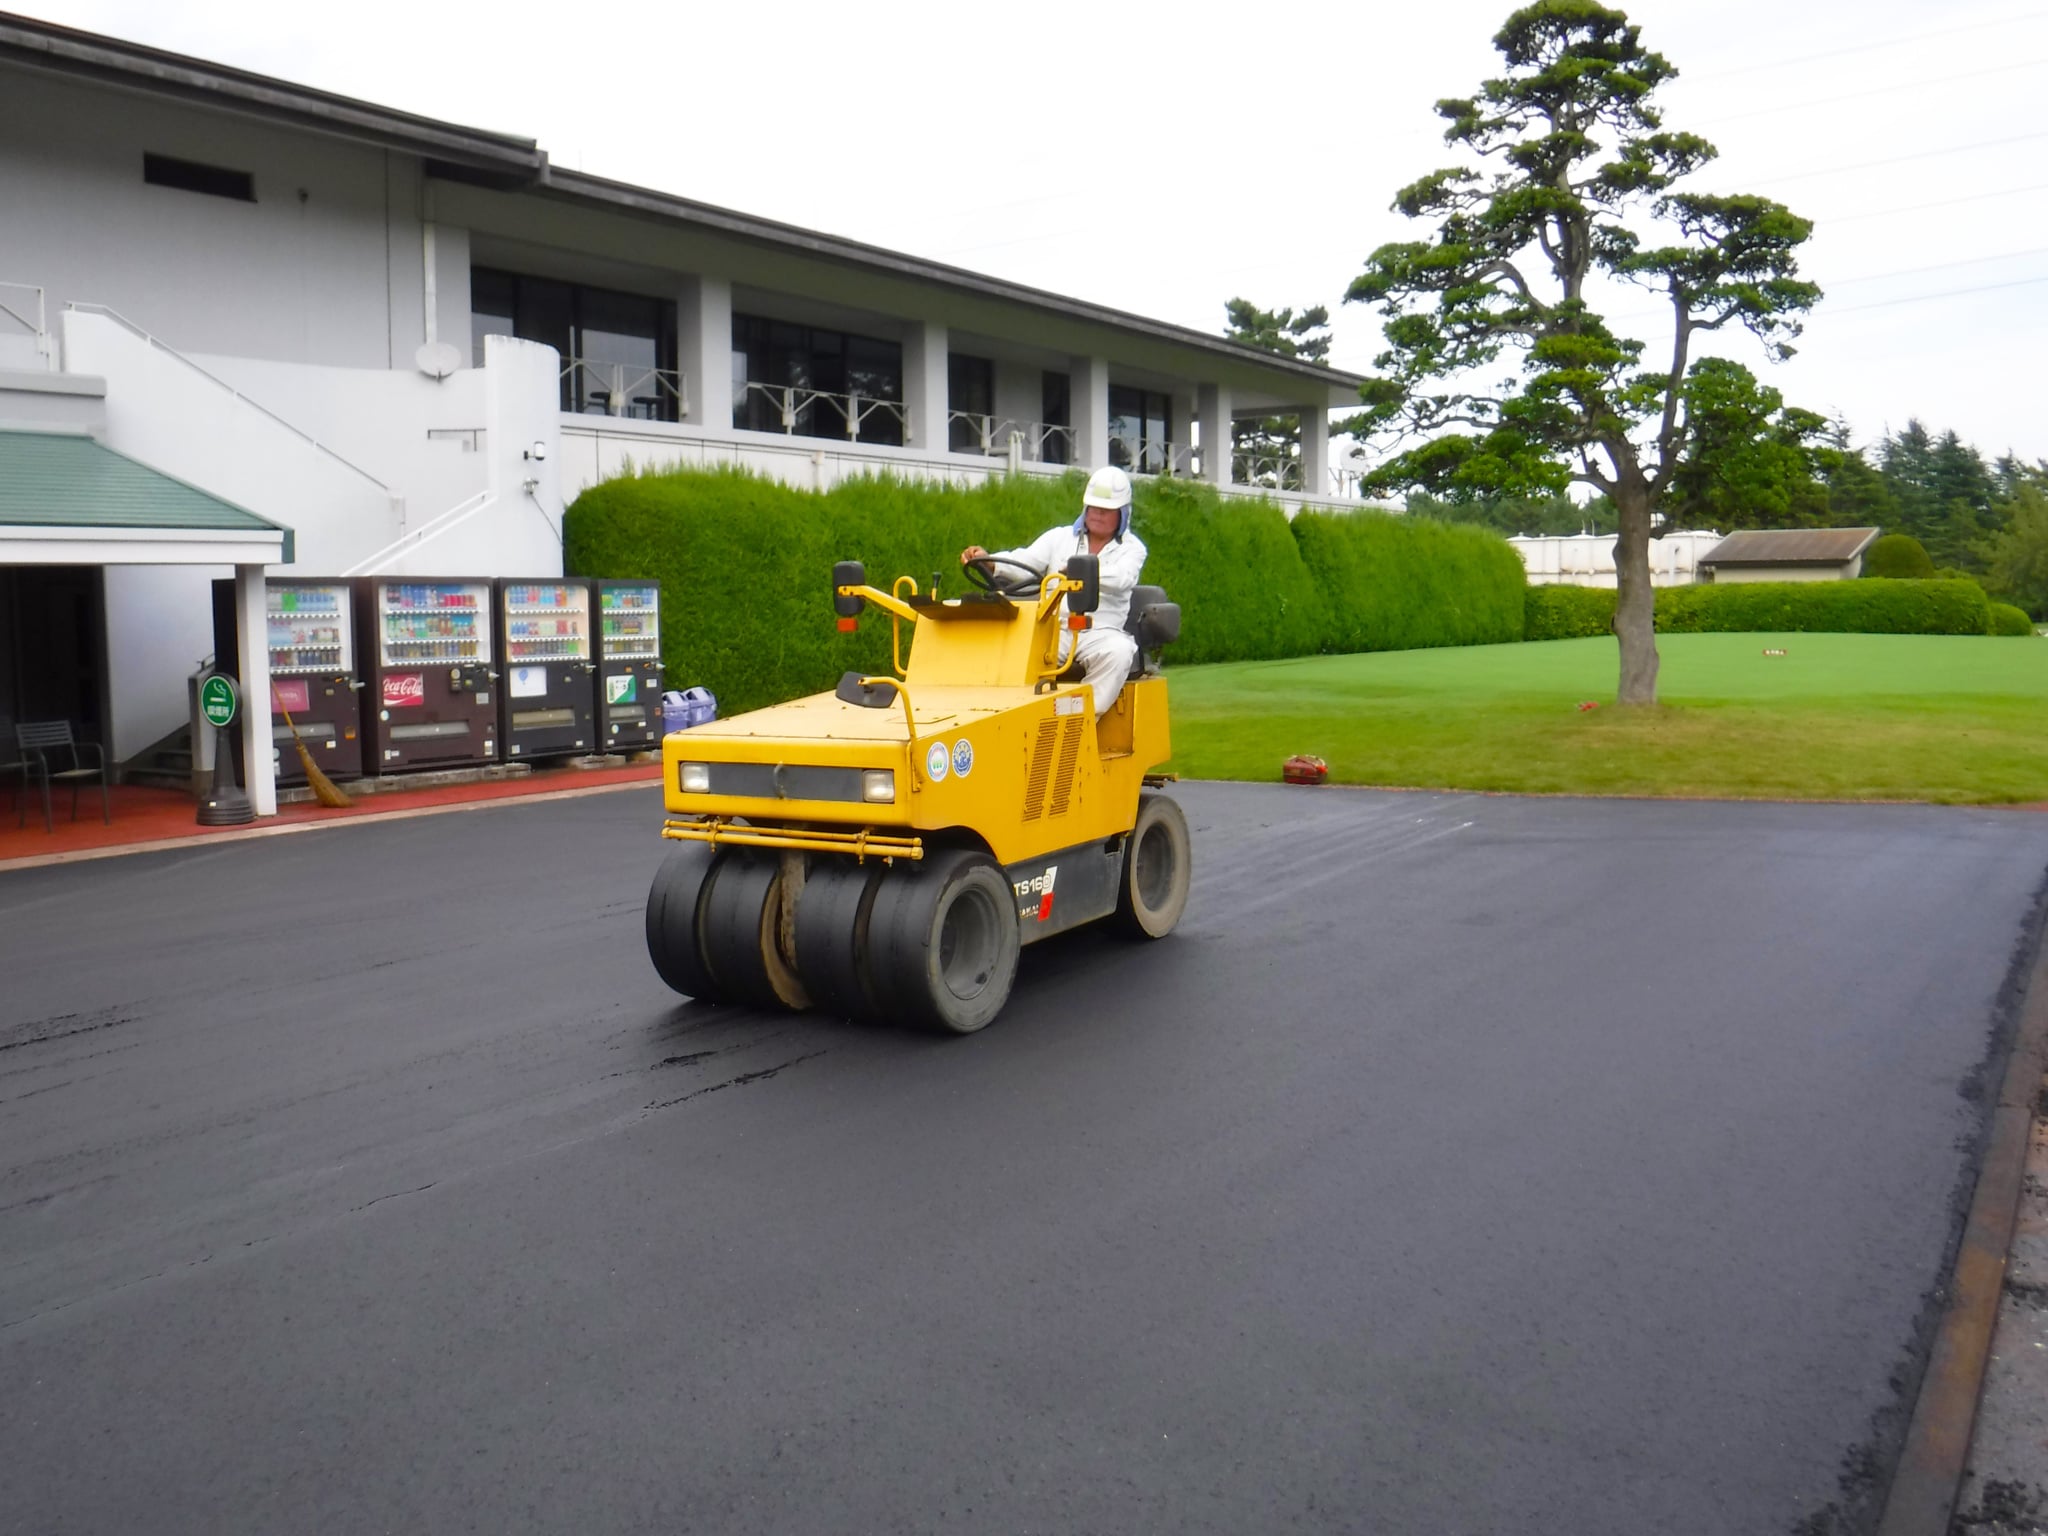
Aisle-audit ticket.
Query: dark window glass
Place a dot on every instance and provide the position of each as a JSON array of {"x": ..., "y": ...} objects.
[
  {"x": 1140, "y": 429},
  {"x": 970, "y": 386},
  {"x": 615, "y": 347},
  {"x": 843, "y": 372},
  {"x": 191, "y": 176},
  {"x": 1053, "y": 396}
]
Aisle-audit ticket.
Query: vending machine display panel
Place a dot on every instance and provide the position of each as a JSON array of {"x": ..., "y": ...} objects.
[
  {"x": 629, "y": 663},
  {"x": 432, "y": 695},
  {"x": 546, "y": 710}
]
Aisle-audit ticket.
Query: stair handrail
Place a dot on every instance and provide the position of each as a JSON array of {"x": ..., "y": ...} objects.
[
  {"x": 212, "y": 378},
  {"x": 426, "y": 533}
]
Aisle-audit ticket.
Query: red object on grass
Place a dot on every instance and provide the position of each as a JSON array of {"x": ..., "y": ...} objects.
[
  {"x": 1589, "y": 704},
  {"x": 848, "y": 626},
  {"x": 1303, "y": 769}
]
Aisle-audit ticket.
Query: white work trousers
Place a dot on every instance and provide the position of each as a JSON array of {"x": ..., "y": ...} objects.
[{"x": 1105, "y": 656}]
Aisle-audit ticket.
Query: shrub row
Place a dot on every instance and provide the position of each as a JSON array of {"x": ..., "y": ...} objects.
[
  {"x": 1876, "y": 606},
  {"x": 745, "y": 567}
]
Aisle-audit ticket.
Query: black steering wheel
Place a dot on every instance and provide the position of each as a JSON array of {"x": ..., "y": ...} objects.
[{"x": 1022, "y": 582}]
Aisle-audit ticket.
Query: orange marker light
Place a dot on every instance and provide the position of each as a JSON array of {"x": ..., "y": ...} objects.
[
  {"x": 1077, "y": 620},
  {"x": 848, "y": 626}
]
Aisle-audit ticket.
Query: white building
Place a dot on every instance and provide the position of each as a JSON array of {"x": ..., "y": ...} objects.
[
  {"x": 402, "y": 346},
  {"x": 1587, "y": 559}
]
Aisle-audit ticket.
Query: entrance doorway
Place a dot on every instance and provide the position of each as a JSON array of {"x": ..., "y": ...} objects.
[{"x": 53, "y": 646}]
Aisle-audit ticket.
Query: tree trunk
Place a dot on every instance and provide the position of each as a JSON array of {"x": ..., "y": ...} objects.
[{"x": 1635, "y": 600}]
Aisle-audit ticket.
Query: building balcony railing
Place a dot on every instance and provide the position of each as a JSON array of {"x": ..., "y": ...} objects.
[
  {"x": 1280, "y": 472},
  {"x": 18, "y": 303},
  {"x": 1037, "y": 442},
  {"x": 1150, "y": 456},
  {"x": 791, "y": 403},
  {"x": 595, "y": 388}
]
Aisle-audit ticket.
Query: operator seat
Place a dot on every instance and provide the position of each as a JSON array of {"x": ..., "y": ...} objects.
[{"x": 1153, "y": 622}]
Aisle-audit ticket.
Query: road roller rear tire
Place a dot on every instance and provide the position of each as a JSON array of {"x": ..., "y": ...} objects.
[
  {"x": 942, "y": 941},
  {"x": 832, "y": 934},
  {"x": 1152, "y": 891},
  {"x": 738, "y": 930},
  {"x": 674, "y": 914}
]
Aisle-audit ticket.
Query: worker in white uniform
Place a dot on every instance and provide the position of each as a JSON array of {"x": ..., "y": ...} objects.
[{"x": 1103, "y": 530}]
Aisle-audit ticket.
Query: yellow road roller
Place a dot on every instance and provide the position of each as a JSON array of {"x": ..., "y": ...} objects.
[{"x": 885, "y": 850}]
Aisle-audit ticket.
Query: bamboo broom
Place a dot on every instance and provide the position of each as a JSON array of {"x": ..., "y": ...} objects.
[{"x": 323, "y": 787}]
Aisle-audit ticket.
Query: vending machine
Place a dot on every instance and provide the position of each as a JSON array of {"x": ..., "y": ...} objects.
[
  {"x": 313, "y": 676},
  {"x": 545, "y": 709},
  {"x": 629, "y": 663},
  {"x": 430, "y": 671}
]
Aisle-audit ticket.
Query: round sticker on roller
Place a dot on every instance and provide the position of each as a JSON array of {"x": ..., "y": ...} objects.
[
  {"x": 935, "y": 762},
  {"x": 963, "y": 758}
]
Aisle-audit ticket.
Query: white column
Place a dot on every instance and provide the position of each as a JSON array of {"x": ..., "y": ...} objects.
[
  {"x": 704, "y": 350},
  {"x": 1212, "y": 414},
  {"x": 1315, "y": 450},
  {"x": 259, "y": 768},
  {"x": 924, "y": 385},
  {"x": 1088, "y": 406}
]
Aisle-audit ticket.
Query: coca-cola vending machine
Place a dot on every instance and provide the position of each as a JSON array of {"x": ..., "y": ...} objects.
[
  {"x": 544, "y": 709},
  {"x": 430, "y": 670},
  {"x": 629, "y": 663},
  {"x": 313, "y": 678}
]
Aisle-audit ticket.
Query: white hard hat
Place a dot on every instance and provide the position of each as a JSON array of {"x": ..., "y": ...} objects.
[{"x": 1108, "y": 487}]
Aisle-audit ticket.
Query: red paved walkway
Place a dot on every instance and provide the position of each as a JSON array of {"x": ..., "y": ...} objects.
[{"x": 144, "y": 818}]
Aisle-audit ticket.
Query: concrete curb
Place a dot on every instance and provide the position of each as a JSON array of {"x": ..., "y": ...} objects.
[
  {"x": 216, "y": 838},
  {"x": 1922, "y": 1497}
]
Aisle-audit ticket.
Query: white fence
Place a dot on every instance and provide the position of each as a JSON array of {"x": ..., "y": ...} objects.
[{"x": 1587, "y": 559}]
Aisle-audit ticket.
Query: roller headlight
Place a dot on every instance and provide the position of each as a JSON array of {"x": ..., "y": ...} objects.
[
  {"x": 878, "y": 786},
  {"x": 694, "y": 778}
]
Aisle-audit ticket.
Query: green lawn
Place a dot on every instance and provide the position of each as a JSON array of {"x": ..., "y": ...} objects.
[{"x": 1837, "y": 717}]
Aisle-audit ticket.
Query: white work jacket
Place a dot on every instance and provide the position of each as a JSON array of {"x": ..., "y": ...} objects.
[{"x": 1120, "y": 562}]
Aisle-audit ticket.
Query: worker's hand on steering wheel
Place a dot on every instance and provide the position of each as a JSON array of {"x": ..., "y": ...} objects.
[{"x": 1015, "y": 579}]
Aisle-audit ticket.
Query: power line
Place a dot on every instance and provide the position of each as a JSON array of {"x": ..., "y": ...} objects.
[
  {"x": 1946, "y": 293},
  {"x": 1893, "y": 42},
  {"x": 1924, "y": 154},
  {"x": 1946, "y": 202},
  {"x": 1882, "y": 90},
  {"x": 1940, "y": 266}
]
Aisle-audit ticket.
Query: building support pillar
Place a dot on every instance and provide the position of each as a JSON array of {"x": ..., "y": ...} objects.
[
  {"x": 1315, "y": 450},
  {"x": 925, "y": 393},
  {"x": 1088, "y": 404},
  {"x": 704, "y": 351},
  {"x": 1212, "y": 416},
  {"x": 259, "y": 750}
]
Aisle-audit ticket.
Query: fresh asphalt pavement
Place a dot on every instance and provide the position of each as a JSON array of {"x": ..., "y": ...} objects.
[{"x": 1461, "y": 1165}]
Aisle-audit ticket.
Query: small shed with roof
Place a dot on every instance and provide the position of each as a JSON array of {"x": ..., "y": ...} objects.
[{"x": 1788, "y": 554}]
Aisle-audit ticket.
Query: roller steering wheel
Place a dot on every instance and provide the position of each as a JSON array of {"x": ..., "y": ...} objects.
[{"x": 981, "y": 573}]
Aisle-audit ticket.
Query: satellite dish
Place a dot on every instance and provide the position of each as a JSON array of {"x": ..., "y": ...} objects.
[{"x": 437, "y": 359}]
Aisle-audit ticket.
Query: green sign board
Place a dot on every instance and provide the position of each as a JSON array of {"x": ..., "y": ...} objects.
[{"x": 217, "y": 701}]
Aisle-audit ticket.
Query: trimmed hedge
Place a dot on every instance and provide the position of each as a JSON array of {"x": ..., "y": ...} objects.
[
  {"x": 1400, "y": 584},
  {"x": 2008, "y": 620},
  {"x": 745, "y": 567},
  {"x": 1558, "y": 612},
  {"x": 1879, "y": 606},
  {"x": 1243, "y": 591},
  {"x": 1898, "y": 556}
]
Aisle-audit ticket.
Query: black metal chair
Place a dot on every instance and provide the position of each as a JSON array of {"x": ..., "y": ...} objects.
[
  {"x": 43, "y": 744},
  {"x": 13, "y": 761}
]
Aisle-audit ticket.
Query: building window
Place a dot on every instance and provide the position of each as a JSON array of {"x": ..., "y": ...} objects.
[
  {"x": 1053, "y": 412},
  {"x": 822, "y": 377},
  {"x": 1140, "y": 430},
  {"x": 617, "y": 349},
  {"x": 191, "y": 176},
  {"x": 970, "y": 402}
]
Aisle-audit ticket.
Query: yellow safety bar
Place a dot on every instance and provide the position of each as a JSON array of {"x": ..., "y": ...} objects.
[{"x": 719, "y": 832}]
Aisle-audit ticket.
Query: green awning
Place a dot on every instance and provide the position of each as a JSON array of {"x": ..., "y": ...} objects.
[{"x": 63, "y": 481}]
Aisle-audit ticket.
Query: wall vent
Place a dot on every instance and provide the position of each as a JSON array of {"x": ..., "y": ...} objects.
[{"x": 191, "y": 176}]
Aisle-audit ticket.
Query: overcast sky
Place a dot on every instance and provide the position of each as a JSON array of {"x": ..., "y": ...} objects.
[{"x": 1161, "y": 158}]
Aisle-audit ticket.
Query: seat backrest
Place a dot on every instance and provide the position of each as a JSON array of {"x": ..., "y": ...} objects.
[
  {"x": 43, "y": 736},
  {"x": 1153, "y": 622}
]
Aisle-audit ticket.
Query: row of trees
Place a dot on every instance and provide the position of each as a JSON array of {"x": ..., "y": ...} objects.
[{"x": 1503, "y": 384}]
